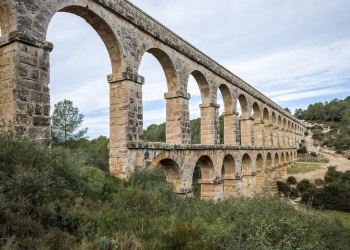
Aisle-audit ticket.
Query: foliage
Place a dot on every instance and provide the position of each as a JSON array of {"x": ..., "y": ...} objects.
[
  {"x": 341, "y": 218},
  {"x": 288, "y": 110},
  {"x": 155, "y": 133},
  {"x": 291, "y": 180},
  {"x": 336, "y": 114},
  {"x": 305, "y": 185},
  {"x": 49, "y": 198},
  {"x": 66, "y": 121},
  {"x": 345, "y": 178},
  {"x": 332, "y": 175},
  {"x": 195, "y": 131},
  {"x": 334, "y": 196},
  {"x": 287, "y": 191},
  {"x": 302, "y": 150}
]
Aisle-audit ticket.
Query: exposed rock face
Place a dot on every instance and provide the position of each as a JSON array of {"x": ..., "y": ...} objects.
[{"x": 259, "y": 145}]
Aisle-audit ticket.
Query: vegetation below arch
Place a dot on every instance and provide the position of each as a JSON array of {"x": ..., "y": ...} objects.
[{"x": 51, "y": 199}]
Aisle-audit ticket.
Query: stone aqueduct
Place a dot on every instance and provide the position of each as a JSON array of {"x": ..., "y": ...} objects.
[{"x": 259, "y": 144}]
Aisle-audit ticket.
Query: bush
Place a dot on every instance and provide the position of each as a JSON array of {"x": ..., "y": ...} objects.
[
  {"x": 304, "y": 185},
  {"x": 302, "y": 150},
  {"x": 319, "y": 182},
  {"x": 334, "y": 196},
  {"x": 345, "y": 178},
  {"x": 291, "y": 180},
  {"x": 287, "y": 191},
  {"x": 332, "y": 175},
  {"x": 50, "y": 199},
  {"x": 313, "y": 154}
]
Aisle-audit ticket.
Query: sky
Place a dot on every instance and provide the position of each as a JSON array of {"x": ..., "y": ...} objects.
[{"x": 296, "y": 52}]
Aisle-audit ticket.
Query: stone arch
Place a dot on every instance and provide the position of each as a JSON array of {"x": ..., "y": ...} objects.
[
  {"x": 105, "y": 32},
  {"x": 172, "y": 172},
  {"x": 276, "y": 160},
  {"x": 284, "y": 123},
  {"x": 229, "y": 166},
  {"x": 274, "y": 129},
  {"x": 227, "y": 98},
  {"x": 267, "y": 128},
  {"x": 168, "y": 68},
  {"x": 260, "y": 174},
  {"x": 209, "y": 110},
  {"x": 273, "y": 119},
  {"x": 279, "y": 121},
  {"x": 244, "y": 106},
  {"x": 258, "y": 126},
  {"x": 266, "y": 116},
  {"x": 246, "y": 165},
  {"x": 203, "y": 175},
  {"x": 248, "y": 179},
  {"x": 259, "y": 163},
  {"x": 229, "y": 174},
  {"x": 282, "y": 159},
  {"x": 207, "y": 167},
  {"x": 246, "y": 132},
  {"x": 268, "y": 161},
  {"x": 256, "y": 112},
  {"x": 226, "y": 136},
  {"x": 203, "y": 85},
  {"x": 287, "y": 157}
]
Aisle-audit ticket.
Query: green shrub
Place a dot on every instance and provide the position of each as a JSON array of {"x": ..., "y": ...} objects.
[
  {"x": 319, "y": 182},
  {"x": 291, "y": 180},
  {"x": 304, "y": 185},
  {"x": 302, "y": 150},
  {"x": 345, "y": 178},
  {"x": 332, "y": 175},
  {"x": 334, "y": 196},
  {"x": 51, "y": 200},
  {"x": 287, "y": 191}
]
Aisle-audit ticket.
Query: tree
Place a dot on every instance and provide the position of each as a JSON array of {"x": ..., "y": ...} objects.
[
  {"x": 288, "y": 110},
  {"x": 66, "y": 120},
  {"x": 299, "y": 113}
]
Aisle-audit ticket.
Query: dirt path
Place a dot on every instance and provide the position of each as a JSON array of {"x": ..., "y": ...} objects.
[{"x": 342, "y": 163}]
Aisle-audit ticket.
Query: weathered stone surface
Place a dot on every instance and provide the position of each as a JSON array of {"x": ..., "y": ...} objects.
[{"x": 259, "y": 144}]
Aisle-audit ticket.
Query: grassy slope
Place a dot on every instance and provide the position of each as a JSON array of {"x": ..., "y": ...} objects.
[
  {"x": 49, "y": 199},
  {"x": 302, "y": 167}
]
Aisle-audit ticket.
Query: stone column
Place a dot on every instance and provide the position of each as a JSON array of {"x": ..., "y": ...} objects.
[
  {"x": 249, "y": 185},
  {"x": 247, "y": 131},
  {"x": 210, "y": 133},
  {"x": 268, "y": 135},
  {"x": 24, "y": 91},
  {"x": 126, "y": 119},
  {"x": 259, "y": 134},
  {"x": 211, "y": 189},
  {"x": 260, "y": 181},
  {"x": 178, "y": 130},
  {"x": 231, "y": 186},
  {"x": 230, "y": 128}
]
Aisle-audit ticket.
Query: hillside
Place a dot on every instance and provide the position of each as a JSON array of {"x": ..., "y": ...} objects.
[{"x": 49, "y": 199}]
